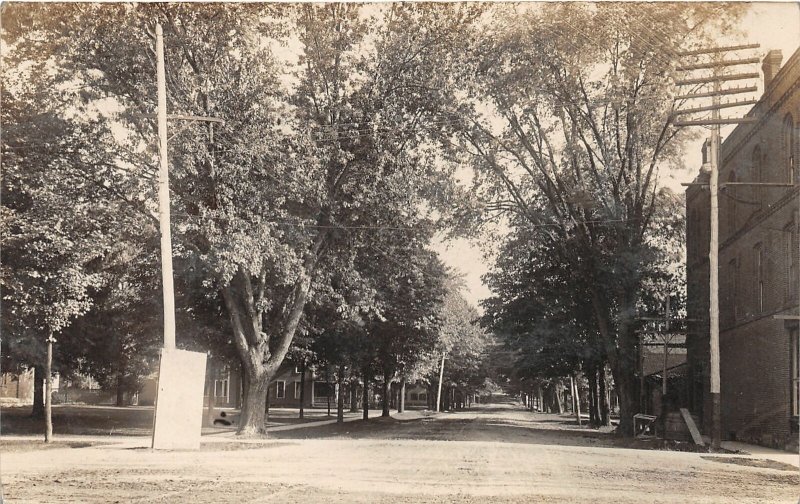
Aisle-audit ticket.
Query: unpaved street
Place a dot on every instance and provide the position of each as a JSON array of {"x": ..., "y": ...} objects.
[{"x": 492, "y": 454}]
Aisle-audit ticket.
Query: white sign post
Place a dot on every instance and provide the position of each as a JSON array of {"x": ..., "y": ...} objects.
[{"x": 179, "y": 400}]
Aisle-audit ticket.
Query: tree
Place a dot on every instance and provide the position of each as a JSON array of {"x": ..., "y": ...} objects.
[
  {"x": 567, "y": 121},
  {"x": 116, "y": 341},
  {"x": 273, "y": 201},
  {"x": 459, "y": 337},
  {"x": 538, "y": 313},
  {"x": 409, "y": 293},
  {"x": 56, "y": 231}
]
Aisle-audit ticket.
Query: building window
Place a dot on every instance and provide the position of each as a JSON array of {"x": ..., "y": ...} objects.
[
  {"x": 789, "y": 239},
  {"x": 297, "y": 370},
  {"x": 733, "y": 277},
  {"x": 297, "y": 388},
  {"x": 731, "y": 193},
  {"x": 758, "y": 254},
  {"x": 222, "y": 385},
  {"x": 758, "y": 174},
  {"x": 795, "y": 369},
  {"x": 220, "y": 388},
  {"x": 789, "y": 154},
  {"x": 693, "y": 235},
  {"x": 280, "y": 391},
  {"x": 323, "y": 390}
]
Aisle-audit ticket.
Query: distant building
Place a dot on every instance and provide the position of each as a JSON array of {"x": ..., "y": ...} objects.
[
  {"x": 224, "y": 383},
  {"x": 417, "y": 396},
  {"x": 758, "y": 270},
  {"x": 17, "y": 388},
  {"x": 652, "y": 369}
]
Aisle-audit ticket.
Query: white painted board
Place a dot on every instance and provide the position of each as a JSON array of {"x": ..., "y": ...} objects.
[{"x": 179, "y": 400}]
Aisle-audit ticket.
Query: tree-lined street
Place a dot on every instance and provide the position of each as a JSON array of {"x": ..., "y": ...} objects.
[{"x": 269, "y": 190}]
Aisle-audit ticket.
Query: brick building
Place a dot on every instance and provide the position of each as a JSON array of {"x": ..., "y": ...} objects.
[{"x": 758, "y": 270}]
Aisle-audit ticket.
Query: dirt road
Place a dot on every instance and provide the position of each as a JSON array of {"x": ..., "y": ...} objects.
[{"x": 493, "y": 454}]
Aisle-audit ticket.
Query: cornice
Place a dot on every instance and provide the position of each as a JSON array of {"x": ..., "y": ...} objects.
[{"x": 743, "y": 133}]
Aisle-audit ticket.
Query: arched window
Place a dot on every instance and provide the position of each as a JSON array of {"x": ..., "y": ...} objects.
[
  {"x": 758, "y": 269},
  {"x": 789, "y": 148},
  {"x": 695, "y": 235},
  {"x": 790, "y": 253},
  {"x": 731, "y": 204},
  {"x": 733, "y": 285},
  {"x": 757, "y": 173}
]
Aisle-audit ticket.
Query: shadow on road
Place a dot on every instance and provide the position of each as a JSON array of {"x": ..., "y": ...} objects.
[{"x": 486, "y": 425}]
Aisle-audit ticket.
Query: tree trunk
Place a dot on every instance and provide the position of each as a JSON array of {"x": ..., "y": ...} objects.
[
  {"x": 328, "y": 388},
  {"x": 261, "y": 352},
  {"x": 48, "y": 399},
  {"x": 38, "y": 392},
  {"x": 266, "y": 405},
  {"x": 591, "y": 375},
  {"x": 623, "y": 368},
  {"x": 540, "y": 398},
  {"x": 559, "y": 405},
  {"x": 604, "y": 417},
  {"x": 255, "y": 386},
  {"x": 120, "y": 401},
  {"x": 625, "y": 385},
  {"x": 576, "y": 402},
  {"x": 365, "y": 395},
  {"x": 120, "y": 383},
  {"x": 353, "y": 396},
  {"x": 340, "y": 395},
  {"x": 387, "y": 386},
  {"x": 302, "y": 387},
  {"x": 401, "y": 402},
  {"x": 622, "y": 354},
  {"x": 441, "y": 377}
]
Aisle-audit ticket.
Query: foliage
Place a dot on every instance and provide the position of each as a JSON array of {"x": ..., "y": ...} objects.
[
  {"x": 274, "y": 205},
  {"x": 567, "y": 121}
]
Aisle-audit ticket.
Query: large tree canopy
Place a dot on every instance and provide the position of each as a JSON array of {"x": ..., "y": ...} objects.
[
  {"x": 565, "y": 116},
  {"x": 272, "y": 205},
  {"x": 345, "y": 129}
]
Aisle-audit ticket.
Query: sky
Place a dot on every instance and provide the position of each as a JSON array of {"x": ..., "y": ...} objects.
[{"x": 774, "y": 25}]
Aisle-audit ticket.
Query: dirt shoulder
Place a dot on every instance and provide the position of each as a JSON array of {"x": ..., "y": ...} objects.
[{"x": 491, "y": 455}]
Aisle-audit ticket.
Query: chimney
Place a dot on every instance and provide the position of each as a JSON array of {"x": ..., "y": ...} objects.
[
  {"x": 707, "y": 151},
  {"x": 771, "y": 65}
]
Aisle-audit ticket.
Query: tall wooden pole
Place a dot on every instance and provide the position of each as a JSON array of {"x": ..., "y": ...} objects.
[
  {"x": 163, "y": 196},
  {"x": 441, "y": 377},
  {"x": 48, "y": 391},
  {"x": 713, "y": 265},
  {"x": 576, "y": 402},
  {"x": 666, "y": 354},
  {"x": 717, "y": 64},
  {"x": 401, "y": 403}
]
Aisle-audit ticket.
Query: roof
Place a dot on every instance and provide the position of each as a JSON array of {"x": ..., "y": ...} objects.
[{"x": 654, "y": 359}]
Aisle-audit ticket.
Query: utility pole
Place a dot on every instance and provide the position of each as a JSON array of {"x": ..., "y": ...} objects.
[
  {"x": 576, "y": 402},
  {"x": 666, "y": 355},
  {"x": 179, "y": 370},
  {"x": 717, "y": 64},
  {"x": 168, "y": 291},
  {"x": 713, "y": 267},
  {"x": 48, "y": 391},
  {"x": 441, "y": 377}
]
